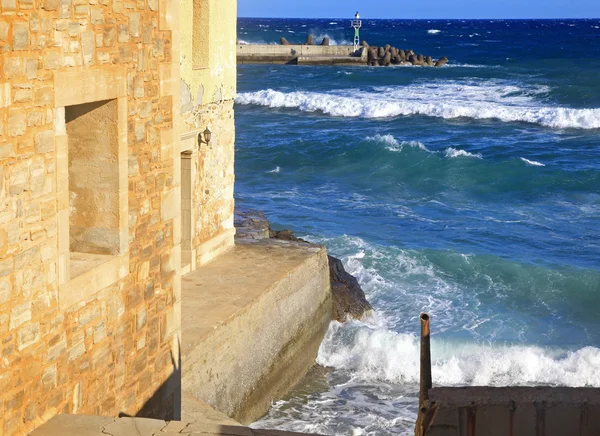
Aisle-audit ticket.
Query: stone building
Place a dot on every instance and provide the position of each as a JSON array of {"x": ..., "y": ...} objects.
[{"x": 116, "y": 177}]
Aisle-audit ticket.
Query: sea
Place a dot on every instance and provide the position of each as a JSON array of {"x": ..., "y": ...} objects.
[{"x": 471, "y": 192}]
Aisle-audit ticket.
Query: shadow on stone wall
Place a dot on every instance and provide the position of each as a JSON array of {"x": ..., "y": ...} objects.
[{"x": 165, "y": 403}]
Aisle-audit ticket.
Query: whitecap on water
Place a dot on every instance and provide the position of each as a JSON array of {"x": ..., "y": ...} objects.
[
  {"x": 532, "y": 162},
  {"x": 392, "y": 144},
  {"x": 453, "y": 152},
  {"x": 504, "y": 101}
]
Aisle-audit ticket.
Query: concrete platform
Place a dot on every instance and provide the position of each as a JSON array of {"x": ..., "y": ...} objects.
[
  {"x": 513, "y": 411},
  {"x": 82, "y": 425},
  {"x": 252, "y": 323}
]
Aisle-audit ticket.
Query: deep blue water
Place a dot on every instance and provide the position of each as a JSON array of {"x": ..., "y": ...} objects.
[{"x": 470, "y": 191}]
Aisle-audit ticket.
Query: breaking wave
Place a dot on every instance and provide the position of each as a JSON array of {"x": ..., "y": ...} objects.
[
  {"x": 532, "y": 162},
  {"x": 433, "y": 31},
  {"x": 392, "y": 144},
  {"x": 453, "y": 152},
  {"x": 449, "y": 100},
  {"x": 383, "y": 355}
]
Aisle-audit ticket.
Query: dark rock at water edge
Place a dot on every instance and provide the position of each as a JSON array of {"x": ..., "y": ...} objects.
[
  {"x": 348, "y": 297},
  {"x": 349, "y": 300},
  {"x": 325, "y": 41},
  {"x": 284, "y": 41},
  {"x": 310, "y": 40}
]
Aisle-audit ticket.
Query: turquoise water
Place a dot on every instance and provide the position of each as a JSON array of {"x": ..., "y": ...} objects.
[{"x": 471, "y": 192}]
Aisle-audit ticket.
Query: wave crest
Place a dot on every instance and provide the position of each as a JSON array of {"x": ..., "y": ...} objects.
[
  {"x": 384, "y": 355},
  {"x": 447, "y": 100},
  {"x": 532, "y": 162},
  {"x": 392, "y": 144},
  {"x": 453, "y": 152}
]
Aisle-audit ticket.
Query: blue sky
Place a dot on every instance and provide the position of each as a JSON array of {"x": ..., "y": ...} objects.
[{"x": 420, "y": 8}]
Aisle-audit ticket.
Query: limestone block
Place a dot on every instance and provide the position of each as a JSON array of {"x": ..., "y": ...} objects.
[
  {"x": 52, "y": 60},
  {"x": 109, "y": 36},
  {"x": 88, "y": 46},
  {"x": 23, "y": 95},
  {"x": 43, "y": 96},
  {"x": 56, "y": 347},
  {"x": 5, "y": 290},
  {"x": 49, "y": 376},
  {"x": 50, "y": 5},
  {"x": 20, "y": 36},
  {"x": 139, "y": 132},
  {"x": 17, "y": 122},
  {"x": 35, "y": 118},
  {"x": 76, "y": 350},
  {"x": 18, "y": 180},
  {"x": 123, "y": 33},
  {"x": 28, "y": 335},
  {"x": 44, "y": 141},
  {"x": 82, "y": 10},
  {"x": 12, "y": 67},
  {"x": 20, "y": 314},
  {"x": 138, "y": 86},
  {"x": 4, "y": 31},
  {"x": 97, "y": 16},
  {"x": 103, "y": 57},
  {"x": 73, "y": 28},
  {"x": 9, "y": 5},
  {"x": 31, "y": 68},
  {"x": 64, "y": 8},
  {"x": 134, "y": 24}
]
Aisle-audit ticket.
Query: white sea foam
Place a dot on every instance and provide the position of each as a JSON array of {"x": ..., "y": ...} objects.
[
  {"x": 242, "y": 42},
  {"x": 433, "y": 31},
  {"x": 453, "y": 152},
  {"x": 332, "y": 41},
  {"x": 383, "y": 355},
  {"x": 532, "y": 162},
  {"x": 392, "y": 144},
  {"x": 444, "y": 99},
  {"x": 276, "y": 170}
]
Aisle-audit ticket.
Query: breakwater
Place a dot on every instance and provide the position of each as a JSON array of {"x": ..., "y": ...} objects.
[{"x": 310, "y": 53}]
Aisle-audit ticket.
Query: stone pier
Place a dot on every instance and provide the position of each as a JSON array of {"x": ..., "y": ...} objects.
[{"x": 253, "y": 321}]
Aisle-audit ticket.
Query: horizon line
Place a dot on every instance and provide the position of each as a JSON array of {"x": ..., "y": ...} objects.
[{"x": 424, "y": 19}]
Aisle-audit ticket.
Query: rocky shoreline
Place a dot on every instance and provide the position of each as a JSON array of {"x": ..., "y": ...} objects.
[{"x": 349, "y": 300}]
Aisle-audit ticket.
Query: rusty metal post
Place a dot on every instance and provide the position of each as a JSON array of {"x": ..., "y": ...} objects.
[
  {"x": 424, "y": 417},
  {"x": 425, "y": 359}
]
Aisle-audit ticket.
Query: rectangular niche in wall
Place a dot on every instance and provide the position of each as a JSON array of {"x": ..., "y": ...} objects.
[
  {"x": 200, "y": 34},
  {"x": 93, "y": 160}
]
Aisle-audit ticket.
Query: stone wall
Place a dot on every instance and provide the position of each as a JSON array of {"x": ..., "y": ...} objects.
[
  {"x": 104, "y": 340},
  {"x": 207, "y": 92}
]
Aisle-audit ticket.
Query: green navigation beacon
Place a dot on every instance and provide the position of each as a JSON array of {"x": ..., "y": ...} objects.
[{"x": 357, "y": 24}]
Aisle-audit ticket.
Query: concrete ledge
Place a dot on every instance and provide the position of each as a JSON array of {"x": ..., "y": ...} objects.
[
  {"x": 82, "y": 425},
  {"x": 252, "y": 322},
  {"x": 300, "y": 54},
  {"x": 214, "y": 247},
  {"x": 541, "y": 411}
]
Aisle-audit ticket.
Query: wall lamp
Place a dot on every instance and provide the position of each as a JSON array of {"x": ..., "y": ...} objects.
[{"x": 205, "y": 137}]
